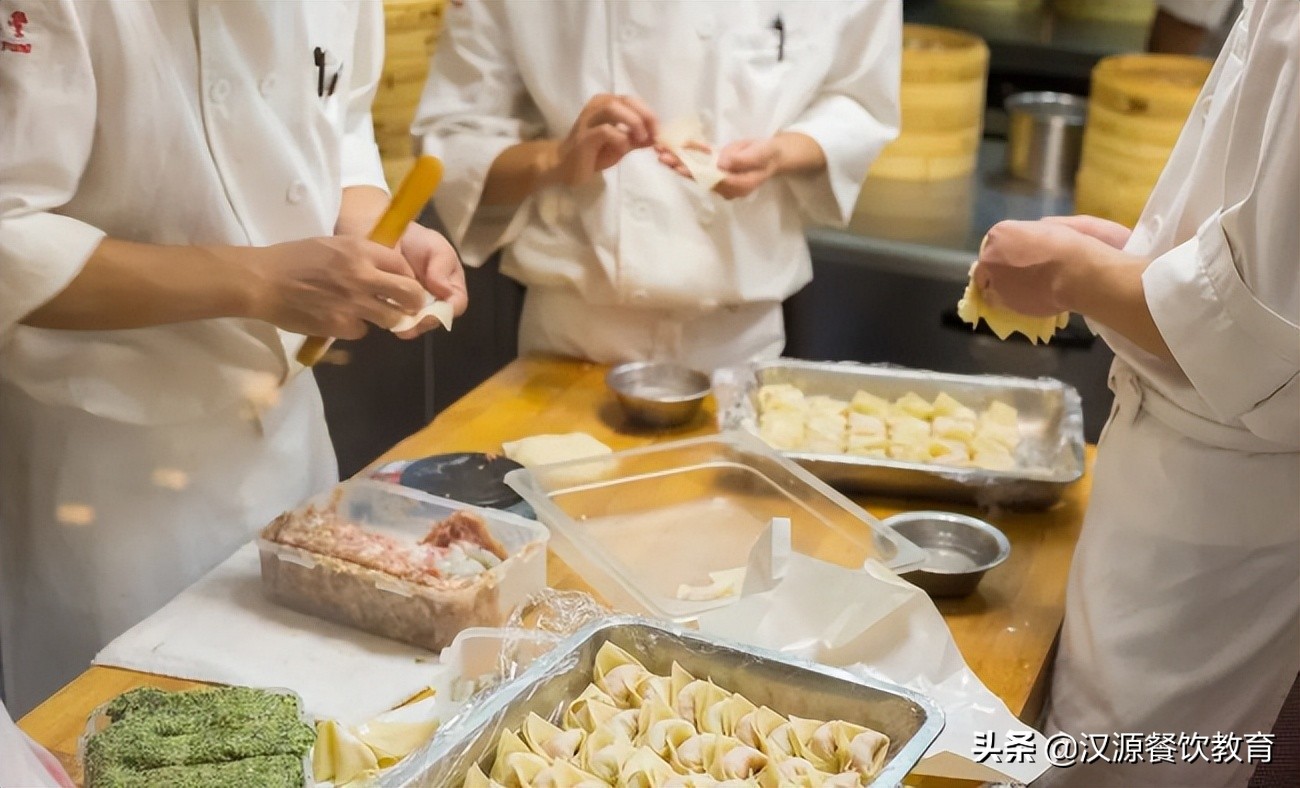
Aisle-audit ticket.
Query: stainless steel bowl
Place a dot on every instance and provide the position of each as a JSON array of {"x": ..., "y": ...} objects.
[
  {"x": 1045, "y": 137},
  {"x": 958, "y": 550},
  {"x": 658, "y": 394}
]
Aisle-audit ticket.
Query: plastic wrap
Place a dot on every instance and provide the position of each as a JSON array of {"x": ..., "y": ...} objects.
[
  {"x": 789, "y": 686},
  {"x": 1048, "y": 459}
]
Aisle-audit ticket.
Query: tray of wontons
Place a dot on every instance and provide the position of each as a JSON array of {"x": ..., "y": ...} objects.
[
  {"x": 635, "y": 702},
  {"x": 993, "y": 440}
]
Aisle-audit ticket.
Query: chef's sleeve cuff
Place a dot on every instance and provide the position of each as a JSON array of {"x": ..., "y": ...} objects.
[
  {"x": 477, "y": 231},
  {"x": 361, "y": 163},
  {"x": 40, "y": 254},
  {"x": 851, "y": 138},
  {"x": 1239, "y": 355}
]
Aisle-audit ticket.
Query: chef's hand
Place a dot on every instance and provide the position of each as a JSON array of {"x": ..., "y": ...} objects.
[
  {"x": 751, "y": 163},
  {"x": 1026, "y": 266},
  {"x": 437, "y": 266},
  {"x": 330, "y": 286},
  {"x": 748, "y": 165},
  {"x": 606, "y": 130},
  {"x": 1113, "y": 234}
]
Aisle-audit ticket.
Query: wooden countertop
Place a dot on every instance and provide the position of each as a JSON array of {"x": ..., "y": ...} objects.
[{"x": 1006, "y": 630}]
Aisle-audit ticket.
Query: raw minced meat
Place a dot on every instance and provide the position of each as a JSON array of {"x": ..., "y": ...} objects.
[{"x": 457, "y": 547}]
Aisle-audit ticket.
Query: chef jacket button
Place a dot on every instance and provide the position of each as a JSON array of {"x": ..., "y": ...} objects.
[
  {"x": 628, "y": 31},
  {"x": 266, "y": 85},
  {"x": 705, "y": 29},
  {"x": 297, "y": 190},
  {"x": 219, "y": 90}
]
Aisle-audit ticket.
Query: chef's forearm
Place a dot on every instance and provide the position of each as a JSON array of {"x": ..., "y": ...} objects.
[
  {"x": 798, "y": 153},
  {"x": 360, "y": 209},
  {"x": 132, "y": 285},
  {"x": 1105, "y": 284},
  {"x": 519, "y": 171}
]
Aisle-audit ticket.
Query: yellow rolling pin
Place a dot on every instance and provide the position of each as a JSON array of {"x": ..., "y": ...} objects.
[{"x": 416, "y": 189}]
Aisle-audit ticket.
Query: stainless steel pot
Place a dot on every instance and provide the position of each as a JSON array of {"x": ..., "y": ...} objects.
[{"x": 1045, "y": 137}]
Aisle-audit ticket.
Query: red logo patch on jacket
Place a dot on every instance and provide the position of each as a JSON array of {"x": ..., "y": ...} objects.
[{"x": 17, "y": 24}]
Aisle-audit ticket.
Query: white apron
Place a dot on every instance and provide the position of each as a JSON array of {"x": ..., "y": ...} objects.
[
  {"x": 1183, "y": 607},
  {"x": 126, "y": 539},
  {"x": 558, "y": 322}
]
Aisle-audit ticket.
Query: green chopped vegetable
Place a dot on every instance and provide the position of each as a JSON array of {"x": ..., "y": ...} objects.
[
  {"x": 210, "y": 737},
  {"x": 269, "y": 771}
]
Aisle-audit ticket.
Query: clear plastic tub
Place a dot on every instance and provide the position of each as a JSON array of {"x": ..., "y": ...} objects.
[
  {"x": 429, "y": 616},
  {"x": 638, "y": 524}
]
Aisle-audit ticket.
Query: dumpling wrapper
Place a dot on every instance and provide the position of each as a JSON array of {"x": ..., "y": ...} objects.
[
  {"x": 755, "y": 728},
  {"x": 645, "y": 769},
  {"x": 724, "y": 717},
  {"x": 1004, "y": 322},
  {"x": 866, "y": 424},
  {"x": 904, "y": 428},
  {"x": 475, "y": 778},
  {"x": 871, "y": 405},
  {"x": 999, "y": 412},
  {"x": 395, "y": 734},
  {"x": 563, "y": 774},
  {"x": 914, "y": 404},
  {"x": 725, "y": 583},
  {"x": 703, "y": 166},
  {"x": 781, "y": 396},
  {"x": 782, "y": 429},
  {"x": 441, "y": 310},
  {"x": 950, "y": 428},
  {"x": 945, "y": 405},
  {"x": 340, "y": 756},
  {"x": 866, "y": 753},
  {"x": 821, "y": 404},
  {"x": 549, "y": 449}
]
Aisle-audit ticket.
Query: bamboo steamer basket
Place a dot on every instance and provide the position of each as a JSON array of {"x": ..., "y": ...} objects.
[
  {"x": 411, "y": 29},
  {"x": 1130, "y": 11},
  {"x": 942, "y": 106},
  {"x": 1138, "y": 107}
]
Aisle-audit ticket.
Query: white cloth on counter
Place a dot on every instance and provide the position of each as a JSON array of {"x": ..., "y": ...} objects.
[
  {"x": 884, "y": 628},
  {"x": 223, "y": 630},
  {"x": 639, "y": 234}
]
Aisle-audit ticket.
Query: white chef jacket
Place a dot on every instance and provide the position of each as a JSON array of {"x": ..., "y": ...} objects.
[
  {"x": 167, "y": 123},
  {"x": 1183, "y": 606},
  {"x": 170, "y": 123},
  {"x": 641, "y": 235},
  {"x": 1224, "y": 287}
]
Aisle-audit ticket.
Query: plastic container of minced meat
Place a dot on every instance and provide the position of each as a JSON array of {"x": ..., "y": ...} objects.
[{"x": 426, "y": 614}]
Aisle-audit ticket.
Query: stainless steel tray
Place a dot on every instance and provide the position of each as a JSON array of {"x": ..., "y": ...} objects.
[
  {"x": 911, "y": 721},
  {"x": 1049, "y": 458}
]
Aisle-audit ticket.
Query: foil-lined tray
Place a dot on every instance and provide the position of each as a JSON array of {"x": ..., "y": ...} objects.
[
  {"x": 789, "y": 686},
  {"x": 1048, "y": 459}
]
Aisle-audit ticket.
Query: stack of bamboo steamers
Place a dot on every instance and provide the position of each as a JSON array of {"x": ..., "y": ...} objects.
[
  {"x": 410, "y": 30},
  {"x": 1138, "y": 106}
]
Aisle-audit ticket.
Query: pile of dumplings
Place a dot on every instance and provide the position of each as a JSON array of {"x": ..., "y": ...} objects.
[
  {"x": 911, "y": 429},
  {"x": 635, "y": 729}
]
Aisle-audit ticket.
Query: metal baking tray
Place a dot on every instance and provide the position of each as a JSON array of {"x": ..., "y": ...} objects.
[
  {"x": 789, "y": 686},
  {"x": 1048, "y": 459}
]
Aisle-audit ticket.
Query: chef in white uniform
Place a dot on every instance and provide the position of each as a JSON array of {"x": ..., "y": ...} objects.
[
  {"x": 1183, "y": 608},
  {"x": 182, "y": 187},
  {"x": 547, "y": 116}
]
